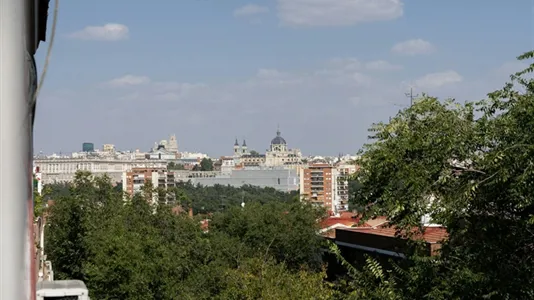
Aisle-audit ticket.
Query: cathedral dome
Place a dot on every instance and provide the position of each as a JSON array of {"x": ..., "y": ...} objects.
[{"x": 278, "y": 140}]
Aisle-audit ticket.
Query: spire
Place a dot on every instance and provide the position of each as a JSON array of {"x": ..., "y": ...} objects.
[
  {"x": 278, "y": 130},
  {"x": 236, "y": 142}
]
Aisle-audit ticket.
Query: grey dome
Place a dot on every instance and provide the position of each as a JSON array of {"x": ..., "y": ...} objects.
[{"x": 278, "y": 140}]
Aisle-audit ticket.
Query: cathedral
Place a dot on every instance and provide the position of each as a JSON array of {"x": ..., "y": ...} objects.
[{"x": 278, "y": 155}]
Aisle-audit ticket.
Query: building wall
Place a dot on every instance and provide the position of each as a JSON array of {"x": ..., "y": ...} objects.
[
  {"x": 64, "y": 169},
  {"x": 281, "y": 157},
  {"x": 281, "y": 179},
  {"x": 341, "y": 198}
]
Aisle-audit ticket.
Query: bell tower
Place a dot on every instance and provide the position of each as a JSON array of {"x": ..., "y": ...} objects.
[
  {"x": 244, "y": 148},
  {"x": 237, "y": 149}
]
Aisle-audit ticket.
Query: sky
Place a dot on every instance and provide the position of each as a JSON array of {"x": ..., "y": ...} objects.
[{"x": 130, "y": 73}]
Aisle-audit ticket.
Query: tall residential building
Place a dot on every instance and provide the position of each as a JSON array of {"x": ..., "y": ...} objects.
[
  {"x": 318, "y": 185},
  {"x": 341, "y": 198},
  {"x": 134, "y": 180}
]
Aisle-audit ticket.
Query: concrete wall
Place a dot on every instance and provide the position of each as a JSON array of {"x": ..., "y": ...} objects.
[{"x": 282, "y": 180}]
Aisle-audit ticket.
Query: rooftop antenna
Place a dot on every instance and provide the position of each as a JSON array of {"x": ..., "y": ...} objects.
[{"x": 411, "y": 96}]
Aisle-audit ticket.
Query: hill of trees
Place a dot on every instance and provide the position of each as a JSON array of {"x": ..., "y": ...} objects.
[{"x": 467, "y": 166}]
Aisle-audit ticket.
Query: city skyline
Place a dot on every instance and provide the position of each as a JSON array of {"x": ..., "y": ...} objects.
[{"x": 209, "y": 71}]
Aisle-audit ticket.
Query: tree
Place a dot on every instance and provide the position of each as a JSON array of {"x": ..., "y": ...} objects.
[
  {"x": 75, "y": 216},
  {"x": 354, "y": 187},
  {"x": 208, "y": 198},
  {"x": 471, "y": 174},
  {"x": 287, "y": 232},
  {"x": 175, "y": 166},
  {"x": 254, "y": 153},
  {"x": 206, "y": 164}
]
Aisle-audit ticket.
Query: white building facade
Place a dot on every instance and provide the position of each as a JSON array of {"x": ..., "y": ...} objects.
[{"x": 63, "y": 169}]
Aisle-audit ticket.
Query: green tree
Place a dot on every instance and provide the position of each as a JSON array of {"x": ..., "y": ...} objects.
[
  {"x": 254, "y": 153},
  {"x": 71, "y": 220},
  {"x": 468, "y": 168},
  {"x": 288, "y": 232},
  {"x": 175, "y": 166},
  {"x": 206, "y": 164}
]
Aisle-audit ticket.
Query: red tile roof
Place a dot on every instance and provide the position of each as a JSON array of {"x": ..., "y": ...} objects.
[
  {"x": 430, "y": 235},
  {"x": 350, "y": 219},
  {"x": 345, "y": 219}
]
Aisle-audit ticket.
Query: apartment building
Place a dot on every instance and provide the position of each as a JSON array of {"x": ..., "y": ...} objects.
[
  {"x": 341, "y": 200},
  {"x": 317, "y": 184},
  {"x": 134, "y": 180},
  {"x": 326, "y": 185}
]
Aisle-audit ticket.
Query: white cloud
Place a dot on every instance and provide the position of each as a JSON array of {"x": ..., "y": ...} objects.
[
  {"x": 344, "y": 64},
  {"x": 413, "y": 47},
  {"x": 108, "y": 32},
  {"x": 128, "y": 80},
  {"x": 143, "y": 88},
  {"x": 436, "y": 80},
  {"x": 382, "y": 65},
  {"x": 271, "y": 73},
  {"x": 315, "y": 13},
  {"x": 250, "y": 10}
]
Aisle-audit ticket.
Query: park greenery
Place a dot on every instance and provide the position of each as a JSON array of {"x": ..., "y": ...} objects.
[{"x": 469, "y": 166}]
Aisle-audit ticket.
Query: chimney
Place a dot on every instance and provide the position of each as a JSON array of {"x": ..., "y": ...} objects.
[{"x": 191, "y": 212}]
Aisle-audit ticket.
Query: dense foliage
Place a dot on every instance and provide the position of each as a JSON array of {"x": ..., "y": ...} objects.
[
  {"x": 469, "y": 167},
  {"x": 207, "y": 199},
  {"x": 131, "y": 250}
]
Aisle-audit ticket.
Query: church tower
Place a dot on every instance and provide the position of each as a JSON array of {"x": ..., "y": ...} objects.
[
  {"x": 244, "y": 148},
  {"x": 237, "y": 148}
]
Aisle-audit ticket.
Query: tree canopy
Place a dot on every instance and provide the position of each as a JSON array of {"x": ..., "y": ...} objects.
[
  {"x": 468, "y": 167},
  {"x": 206, "y": 164},
  {"x": 132, "y": 250}
]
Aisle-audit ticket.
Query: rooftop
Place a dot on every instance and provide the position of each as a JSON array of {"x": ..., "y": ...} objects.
[
  {"x": 431, "y": 234},
  {"x": 61, "y": 284}
]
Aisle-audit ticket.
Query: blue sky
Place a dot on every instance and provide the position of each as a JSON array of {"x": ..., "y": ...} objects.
[{"x": 130, "y": 73}]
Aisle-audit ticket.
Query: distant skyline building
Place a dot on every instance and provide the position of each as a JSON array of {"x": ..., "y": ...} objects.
[
  {"x": 55, "y": 170},
  {"x": 88, "y": 147},
  {"x": 170, "y": 145},
  {"x": 284, "y": 180},
  {"x": 173, "y": 144},
  {"x": 110, "y": 148},
  {"x": 277, "y": 155}
]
